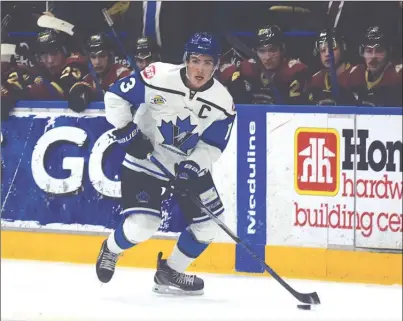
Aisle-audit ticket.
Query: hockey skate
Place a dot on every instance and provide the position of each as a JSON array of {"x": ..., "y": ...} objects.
[
  {"x": 169, "y": 281},
  {"x": 106, "y": 263}
]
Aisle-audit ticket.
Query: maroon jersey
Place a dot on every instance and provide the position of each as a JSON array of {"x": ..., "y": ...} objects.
[
  {"x": 14, "y": 79},
  {"x": 229, "y": 64},
  {"x": 14, "y": 82},
  {"x": 386, "y": 90},
  {"x": 250, "y": 85},
  {"x": 319, "y": 89},
  {"x": 225, "y": 72},
  {"x": 57, "y": 87},
  {"x": 116, "y": 71},
  {"x": 23, "y": 82}
]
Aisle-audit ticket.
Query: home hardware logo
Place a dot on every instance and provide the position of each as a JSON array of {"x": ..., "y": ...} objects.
[{"x": 316, "y": 161}]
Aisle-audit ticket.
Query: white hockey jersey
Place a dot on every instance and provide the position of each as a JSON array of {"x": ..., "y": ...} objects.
[{"x": 181, "y": 124}]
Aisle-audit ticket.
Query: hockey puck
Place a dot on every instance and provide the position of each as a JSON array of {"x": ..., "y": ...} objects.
[{"x": 304, "y": 306}]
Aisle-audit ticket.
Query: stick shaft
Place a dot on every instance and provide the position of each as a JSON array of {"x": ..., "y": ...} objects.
[
  {"x": 309, "y": 298},
  {"x": 109, "y": 21}
]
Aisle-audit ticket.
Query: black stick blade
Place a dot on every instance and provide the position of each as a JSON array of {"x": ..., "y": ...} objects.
[{"x": 308, "y": 298}]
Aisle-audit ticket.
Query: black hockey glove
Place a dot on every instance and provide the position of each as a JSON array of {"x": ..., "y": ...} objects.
[
  {"x": 133, "y": 141},
  {"x": 187, "y": 176},
  {"x": 7, "y": 104},
  {"x": 79, "y": 96}
]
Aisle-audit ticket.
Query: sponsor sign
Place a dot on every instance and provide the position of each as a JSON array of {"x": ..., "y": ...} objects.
[
  {"x": 378, "y": 189},
  {"x": 63, "y": 173},
  {"x": 347, "y": 178},
  {"x": 316, "y": 161},
  {"x": 251, "y": 187}
]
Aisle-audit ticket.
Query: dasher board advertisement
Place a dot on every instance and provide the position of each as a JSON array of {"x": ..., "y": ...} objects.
[
  {"x": 60, "y": 171},
  {"x": 334, "y": 180}
]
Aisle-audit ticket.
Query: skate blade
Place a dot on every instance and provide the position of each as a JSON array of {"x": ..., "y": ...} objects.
[{"x": 171, "y": 290}]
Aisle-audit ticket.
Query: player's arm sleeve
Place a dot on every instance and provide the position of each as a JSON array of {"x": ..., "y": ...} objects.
[
  {"x": 17, "y": 81},
  {"x": 297, "y": 87},
  {"x": 121, "y": 96},
  {"x": 71, "y": 74},
  {"x": 213, "y": 142},
  {"x": 125, "y": 73}
]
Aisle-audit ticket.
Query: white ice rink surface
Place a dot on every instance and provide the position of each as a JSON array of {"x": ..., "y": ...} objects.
[{"x": 58, "y": 291}]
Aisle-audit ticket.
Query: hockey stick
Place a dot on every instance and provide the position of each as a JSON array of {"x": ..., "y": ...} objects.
[
  {"x": 239, "y": 45},
  {"x": 333, "y": 74},
  {"x": 46, "y": 21},
  {"x": 50, "y": 22},
  {"x": 308, "y": 298},
  {"x": 109, "y": 21}
]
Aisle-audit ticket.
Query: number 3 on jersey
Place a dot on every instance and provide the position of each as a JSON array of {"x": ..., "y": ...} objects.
[{"x": 126, "y": 86}]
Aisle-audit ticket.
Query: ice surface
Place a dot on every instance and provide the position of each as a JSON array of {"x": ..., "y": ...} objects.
[{"x": 58, "y": 291}]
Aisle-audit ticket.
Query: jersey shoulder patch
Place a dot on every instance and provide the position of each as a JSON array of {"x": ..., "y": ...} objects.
[
  {"x": 153, "y": 72},
  {"x": 149, "y": 72}
]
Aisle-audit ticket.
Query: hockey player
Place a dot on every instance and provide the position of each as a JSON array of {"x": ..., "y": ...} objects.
[
  {"x": 18, "y": 81},
  {"x": 61, "y": 69},
  {"x": 147, "y": 52},
  {"x": 14, "y": 79},
  {"x": 185, "y": 120},
  {"x": 288, "y": 76},
  {"x": 106, "y": 73},
  {"x": 319, "y": 90},
  {"x": 377, "y": 82},
  {"x": 102, "y": 59}
]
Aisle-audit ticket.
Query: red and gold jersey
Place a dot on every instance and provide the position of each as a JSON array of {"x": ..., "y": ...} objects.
[
  {"x": 115, "y": 72},
  {"x": 225, "y": 72},
  {"x": 16, "y": 78},
  {"x": 250, "y": 85},
  {"x": 229, "y": 64},
  {"x": 57, "y": 87},
  {"x": 386, "y": 90},
  {"x": 319, "y": 89}
]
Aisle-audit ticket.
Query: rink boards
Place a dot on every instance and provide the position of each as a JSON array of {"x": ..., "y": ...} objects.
[{"x": 316, "y": 191}]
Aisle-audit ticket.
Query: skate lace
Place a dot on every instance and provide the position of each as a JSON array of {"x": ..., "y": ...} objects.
[
  {"x": 185, "y": 279},
  {"x": 108, "y": 261}
]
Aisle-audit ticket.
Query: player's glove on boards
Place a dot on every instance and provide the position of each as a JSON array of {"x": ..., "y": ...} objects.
[
  {"x": 133, "y": 141},
  {"x": 187, "y": 176},
  {"x": 79, "y": 96}
]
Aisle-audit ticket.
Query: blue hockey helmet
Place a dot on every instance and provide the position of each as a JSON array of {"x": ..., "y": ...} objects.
[{"x": 203, "y": 43}]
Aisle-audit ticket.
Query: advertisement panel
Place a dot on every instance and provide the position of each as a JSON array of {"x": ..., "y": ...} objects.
[
  {"x": 63, "y": 172},
  {"x": 303, "y": 181},
  {"x": 251, "y": 187},
  {"x": 378, "y": 192},
  {"x": 334, "y": 180}
]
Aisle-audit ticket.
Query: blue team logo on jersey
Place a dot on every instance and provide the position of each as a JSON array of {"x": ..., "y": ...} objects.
[{"x": 180, "y": 134}]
